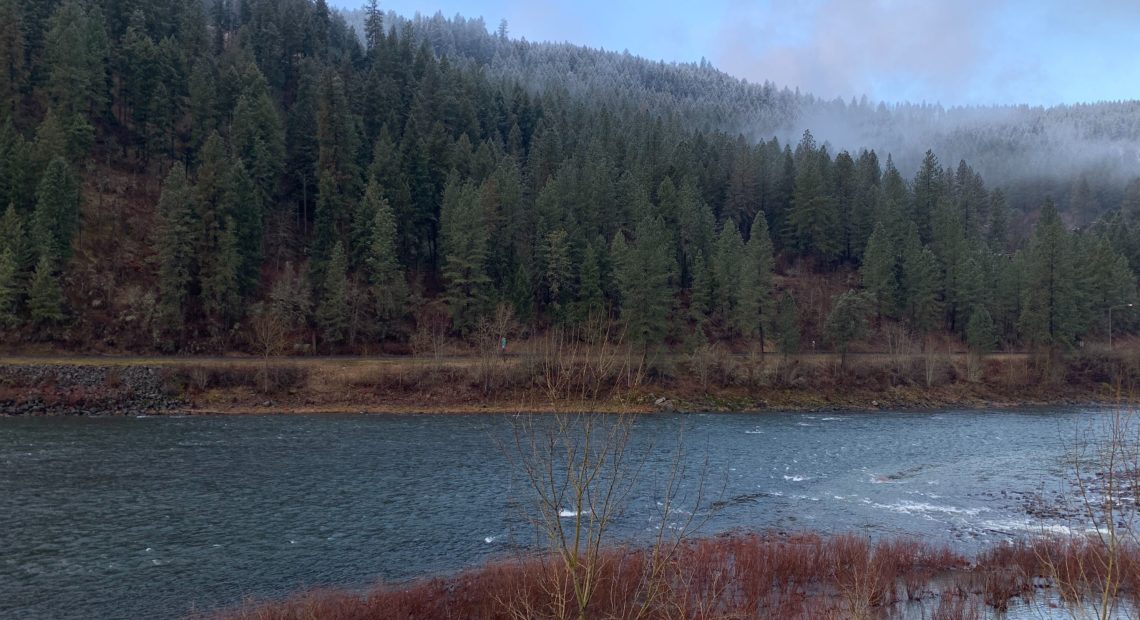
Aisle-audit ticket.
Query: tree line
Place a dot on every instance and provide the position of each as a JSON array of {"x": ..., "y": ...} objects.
[{"x": 174, "y": 170}]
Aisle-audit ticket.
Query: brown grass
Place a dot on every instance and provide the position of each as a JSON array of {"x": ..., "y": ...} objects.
[{"x": 749, "y": 575}]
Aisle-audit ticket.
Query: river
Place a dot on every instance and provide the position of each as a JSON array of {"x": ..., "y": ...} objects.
[{"x": 158, "y": 517}]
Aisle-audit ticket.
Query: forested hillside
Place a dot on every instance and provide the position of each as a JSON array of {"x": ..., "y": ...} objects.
[{"x": 191, "y": 177}]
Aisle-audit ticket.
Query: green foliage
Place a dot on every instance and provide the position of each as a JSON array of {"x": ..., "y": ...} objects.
[
  {"x": 756, "y": 305},
  {"x": 815, "y": 220},
  {"x": 441, "y": 158},
  {"x": 464, "y": 254},
  {"x": 880, "y": 271},
  {"x": 45, "y": 299},
  {"x": 56, "y": 217},
  {"x": 645, "y": 269},
  {"x": 388, "y": 291},
  {"x": 9, "y": 288},
  {"x": 788, "y": 325},
  {"x": 591, "y": 292},
  {"x": 175, "y": 242},
  {"x": 1050, "y": 309},
  {"x": 333, "y": 311},
  {"x": 981, "y": 335},
  {"x": 920, "y": 284}
]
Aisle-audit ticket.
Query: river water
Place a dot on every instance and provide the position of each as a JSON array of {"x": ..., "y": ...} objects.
[{"x": 159, "y": 517}]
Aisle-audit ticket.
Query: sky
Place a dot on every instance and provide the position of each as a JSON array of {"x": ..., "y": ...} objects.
[{"x": 953, "y": 52}]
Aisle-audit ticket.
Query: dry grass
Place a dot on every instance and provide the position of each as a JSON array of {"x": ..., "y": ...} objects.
[
  {"x": 744, "y": 576},
  {"x": 756, "y": 575}
]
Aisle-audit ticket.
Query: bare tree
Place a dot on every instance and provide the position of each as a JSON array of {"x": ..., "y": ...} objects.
[
  {"x": 269, "y": 333},
  {"x": 580, "y": 468}
]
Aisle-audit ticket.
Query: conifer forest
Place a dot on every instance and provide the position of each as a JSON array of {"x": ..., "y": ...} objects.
[{"x": 174, "y": 173}]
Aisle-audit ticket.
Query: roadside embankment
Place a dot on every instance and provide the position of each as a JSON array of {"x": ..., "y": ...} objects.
[{"x": 609, "y": 382}]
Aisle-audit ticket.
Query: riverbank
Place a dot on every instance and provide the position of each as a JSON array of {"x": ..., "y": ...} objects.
[
  {"x": 535, "y": 383},
  {"x": 801, "y": 575}
]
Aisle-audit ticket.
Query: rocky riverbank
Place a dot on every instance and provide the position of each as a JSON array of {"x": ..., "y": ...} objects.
[{"x": 85, "y": 390}]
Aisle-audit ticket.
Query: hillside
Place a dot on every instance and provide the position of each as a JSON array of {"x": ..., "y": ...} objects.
[{"x": 261, "y": 177}]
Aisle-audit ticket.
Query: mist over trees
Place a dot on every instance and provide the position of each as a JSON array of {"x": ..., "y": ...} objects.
[{"x": 167, "y": 166}]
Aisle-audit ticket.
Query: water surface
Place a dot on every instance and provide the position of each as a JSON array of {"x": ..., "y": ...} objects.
[{"x": 157, "y": 517}]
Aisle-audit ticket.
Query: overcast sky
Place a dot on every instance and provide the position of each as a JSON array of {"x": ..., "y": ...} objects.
[{"x": 954, "y": 52}]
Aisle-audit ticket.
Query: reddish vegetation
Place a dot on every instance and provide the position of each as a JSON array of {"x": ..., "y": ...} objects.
[
  {"x": 749, "y": 576},
  {"x": 799, "y": 576}
]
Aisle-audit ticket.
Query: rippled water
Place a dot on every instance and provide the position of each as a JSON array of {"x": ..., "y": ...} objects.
[{"x": 157, "y": 517}]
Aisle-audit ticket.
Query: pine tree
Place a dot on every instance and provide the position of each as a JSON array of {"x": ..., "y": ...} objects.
[
  {"x": 814, "y": 218},
  {"x": 1049, "y": 315},
  {"x": 332, "y": 311},
  {"x": 1104, "y": 281},
  {"x": 221, "y": 297},
  {"x": 45, "y": 300},
  {"x": 76, "y": 49},
  {"x": 703, "y": 296},
  {"x": 998, "y": 235},
  {"x": 981, "y": 335},
  {"x": 175, "y": 242},
  {"x": 9, "y": 288},
  {"x": 591, "y": 292},
  {"x": 788, "y": 325},
  {"x": 464, "y": 255},
  {"x": 929, "y": 189},
  {"x": 880, "y": 272},
  {"x": 559, "y": 272},
  {"x": 14, "y": 240},
  {"x": 645, "y": 269},
  {"x": 756, "y": 303},
  {"x": 56, "y": 217},
  {"x": 387, "y": 288},
  {"x": 920, "y": 284},
  {"x": 13, "y": 63},
  {"x": 728, "y": 262}
]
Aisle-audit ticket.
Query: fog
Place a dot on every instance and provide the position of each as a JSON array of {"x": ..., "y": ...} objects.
[{"x": 1032, "y": 151}]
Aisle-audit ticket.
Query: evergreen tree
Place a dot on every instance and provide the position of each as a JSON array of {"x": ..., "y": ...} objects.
[
  {"x": 13, "y": 62},
  {"x": 9, "y": 288},
  {"x": 76, "y": 55},
  {"x": 175, "y": 242},
  {"x": 56, "y": 217},
  {"x": 558, "y": 274},
  {"x": 45, "y": 300},
  {"x": 880, "y": 272},
  {"x": 981, "y": 335},
  {"x": 788, "y": 325},
  {"x": 815, "y": 221},
  {"x": 1049, "y": 315},
  {"x": 703, "y": 295},
  {"x": 728, "y": 265},
  {"x": 920, "y": 284},
  {"x": 387, "y": 288},
  {"x": 464, "y": 255},
  {"x": 220, "y": 283},
  {"x": 15, "y": 242},
  {"x": 929, "y": 189},
  {"x": 645, "y": 269},
  {"x": 998, "y": 235},
  {"x": 756, "y": 304},
  {"x": 591, "y": 292},
  {"x": 333, "y": 310}
]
